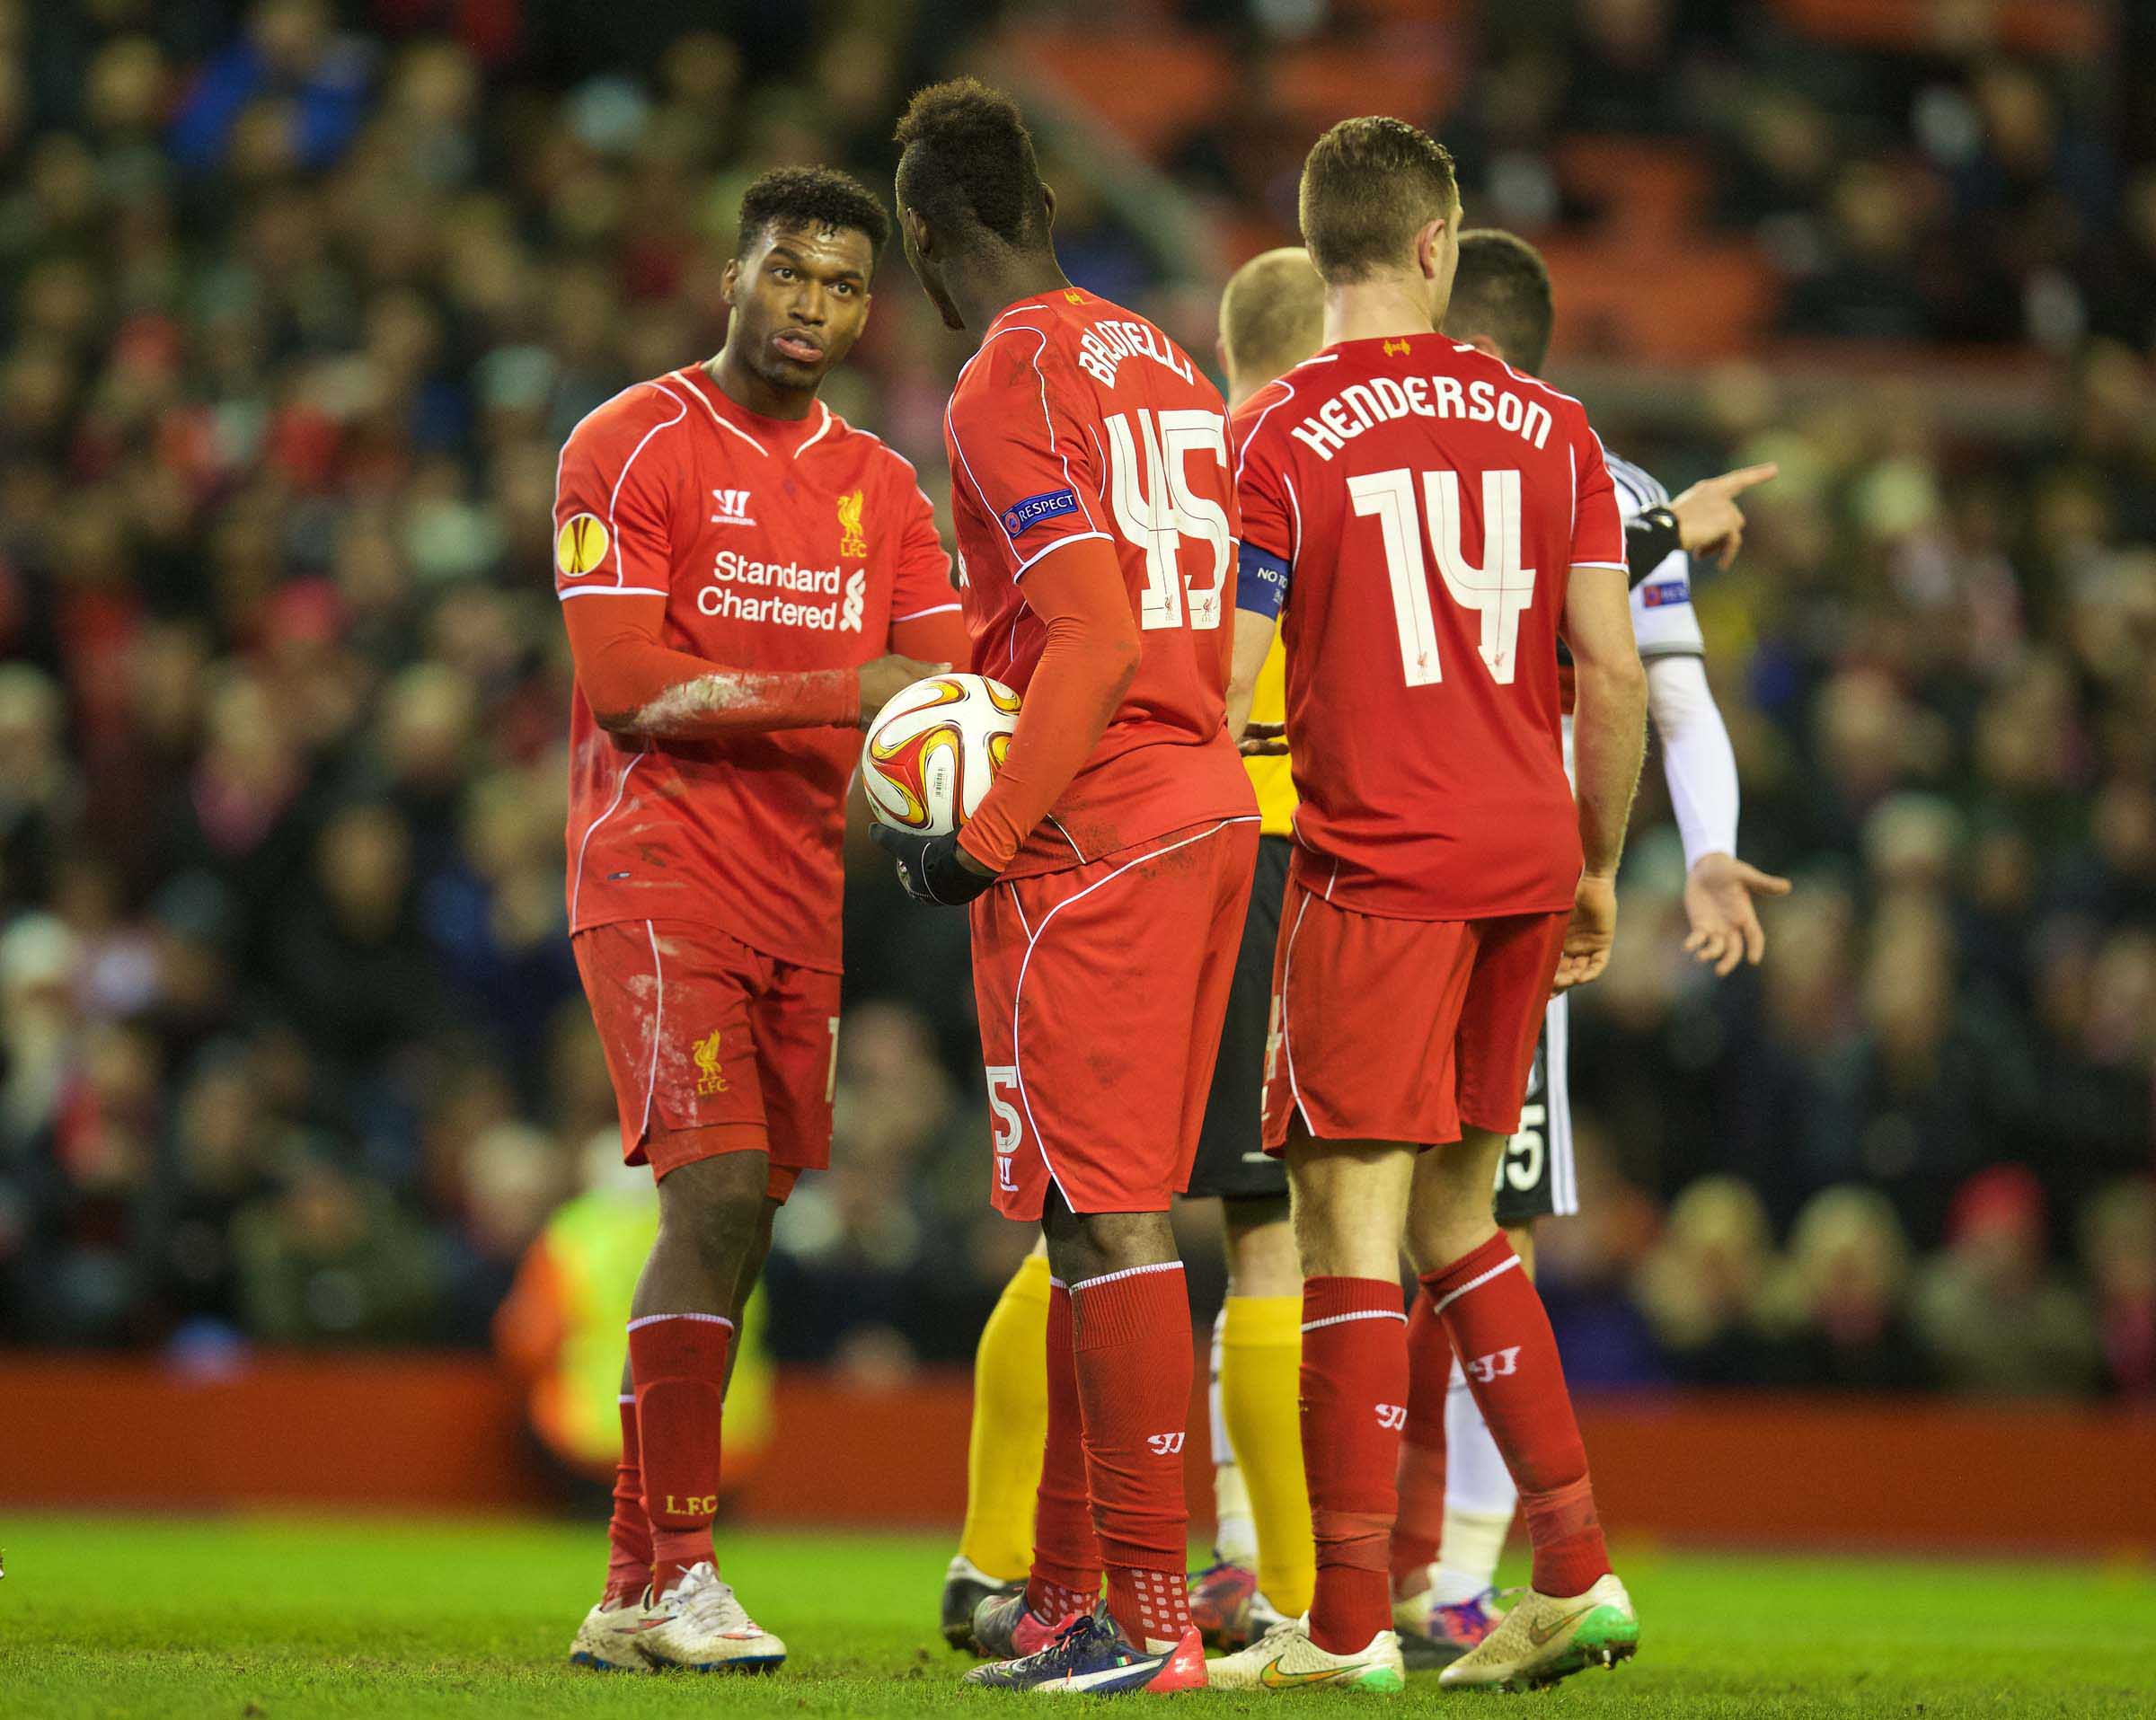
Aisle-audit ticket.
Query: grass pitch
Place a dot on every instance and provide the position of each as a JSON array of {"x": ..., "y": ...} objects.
[{"x": 248, "y": 1619}]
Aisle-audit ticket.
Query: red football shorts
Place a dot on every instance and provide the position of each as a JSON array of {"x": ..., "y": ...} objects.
[
  {"x": 1403, "y": 1029},
  {"x": 1100, "y": 991},
  {"x": 720, "y": 1047}
]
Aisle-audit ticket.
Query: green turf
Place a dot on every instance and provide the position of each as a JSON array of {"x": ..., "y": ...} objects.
[{"x": 281, "y": 1620}]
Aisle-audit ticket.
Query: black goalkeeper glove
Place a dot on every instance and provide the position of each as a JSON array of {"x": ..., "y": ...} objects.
[{"x": 929, "y": 868}]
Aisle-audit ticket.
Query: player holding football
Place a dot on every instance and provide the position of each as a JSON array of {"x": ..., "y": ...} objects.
[
  {"x": 1270, "y": 317},
  {"x": 1107, "y": 867},
  {"x": 737, "y": 566},
  {"x": 1456, "y": 1497},
  {"x": 1438, "y": 890}
]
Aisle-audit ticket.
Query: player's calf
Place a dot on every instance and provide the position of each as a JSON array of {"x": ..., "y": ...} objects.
[
  {"x": 1509, "y": 1356},
  {"x": 629, "y": 1527},
  {"x": 711, "y": 1215},
  {"x": 1133, "y": 1362},
  {"x": 1350, "y": 1199}
]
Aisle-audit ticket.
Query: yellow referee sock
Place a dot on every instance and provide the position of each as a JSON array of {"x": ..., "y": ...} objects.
[
  {"x": 1260, "y": 1386},
  {"x": 1010, "y": 1426}
]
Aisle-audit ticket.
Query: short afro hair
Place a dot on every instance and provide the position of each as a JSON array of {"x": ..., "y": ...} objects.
[
  {"x": 968, "y": 158},
  {"x": 1502, "y": 292},
  {"x": 811, "y": 196},
  {"x": 1369, "y": 186}
]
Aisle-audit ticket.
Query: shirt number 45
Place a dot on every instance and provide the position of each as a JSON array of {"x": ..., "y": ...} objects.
[
  {"x": 1498, "y": 590},
  {"x": 1156, "y": 509}
]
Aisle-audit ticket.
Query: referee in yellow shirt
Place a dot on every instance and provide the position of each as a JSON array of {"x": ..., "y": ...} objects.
[{"x": 1271, "y": 319}]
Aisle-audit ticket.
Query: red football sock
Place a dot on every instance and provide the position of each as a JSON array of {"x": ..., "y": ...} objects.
[
  {"x": 629, "y": 1535},
  {"x": 679, "y": 1362},
  {"x": 1419, "y": 1529},
  {"x": 1135, "y": 1366},
  {"x": 1355, "y": 1391},
  {"x": 1502, "y": 1333},
  {"x": 1066, "y": 1554}
]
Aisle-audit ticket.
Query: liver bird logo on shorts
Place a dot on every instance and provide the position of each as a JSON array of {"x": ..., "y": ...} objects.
[
  {"x": 851, "y": 541},
  {"x": 705, "y": 1052}
]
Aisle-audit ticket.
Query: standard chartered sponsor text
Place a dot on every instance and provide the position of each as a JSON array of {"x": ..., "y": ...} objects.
[{"x": 732, "y": 570}]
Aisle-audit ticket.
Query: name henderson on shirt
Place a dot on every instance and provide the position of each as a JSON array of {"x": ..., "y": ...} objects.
[{"x": 1363, "y": 406}]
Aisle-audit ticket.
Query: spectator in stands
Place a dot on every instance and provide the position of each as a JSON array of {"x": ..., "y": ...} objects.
[
  {"x": 1996, "y": 1318},
  {"x": 289, "y": 93},
  {"x": 1941, "y": 1084},
  {"x": 299, "y": 318},
  {"x": 352, "y": 961},
  {"x": 1867, "y": 284},
  {"x": 1841, "y": 1297},
  {"x": 2118, "y": 1245},
  {"x": 328, "y": 1259},
  {"x": 509, "y": 1181},
  {"x": 225, "y": 1149},
  {"x": 1702, "y": 1287}
]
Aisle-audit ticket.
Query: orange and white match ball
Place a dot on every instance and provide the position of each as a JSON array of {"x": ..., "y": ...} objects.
[{"x": 933, "y": 750}]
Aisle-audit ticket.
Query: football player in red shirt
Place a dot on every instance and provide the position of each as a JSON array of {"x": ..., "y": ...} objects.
[
  {"x": 1456, "y": 1497},
  {"x": 746, "y": 578},
  {"x": 1109, "y": 867},
  {"x": 1433, "y": 519}
]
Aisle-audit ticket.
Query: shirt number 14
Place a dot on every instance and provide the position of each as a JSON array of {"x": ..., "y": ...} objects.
[{"x": 1499, "y": 589}]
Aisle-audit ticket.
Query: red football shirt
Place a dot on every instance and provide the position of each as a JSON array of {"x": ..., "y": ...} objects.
[
  {"x": 779, "y": 545},
  {"x": 1079, "y": 419},
  {"x": 1424, "y": 505}
]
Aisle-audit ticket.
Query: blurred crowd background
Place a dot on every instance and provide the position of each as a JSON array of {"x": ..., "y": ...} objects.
[{"x": 301, "y": 299}]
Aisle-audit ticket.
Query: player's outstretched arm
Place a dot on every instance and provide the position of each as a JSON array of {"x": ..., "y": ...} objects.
[
  {"x": 1709, "y": 520},
  {"x": 1609, "y": 738},
  {"x": 1701, "y": 768},
  {"x": 643, "y": 690}
]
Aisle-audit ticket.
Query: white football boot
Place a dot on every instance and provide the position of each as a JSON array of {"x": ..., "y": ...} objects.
[
  {"x": 699, "y": 1625},
  {"x": 1542, "y": 1639},
  {"x": 606, "y": 1639},
  {"x": 1285, "y": 1659}
]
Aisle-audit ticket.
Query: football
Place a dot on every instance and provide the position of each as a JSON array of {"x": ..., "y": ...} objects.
[{"x": 933, "y": 750}]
